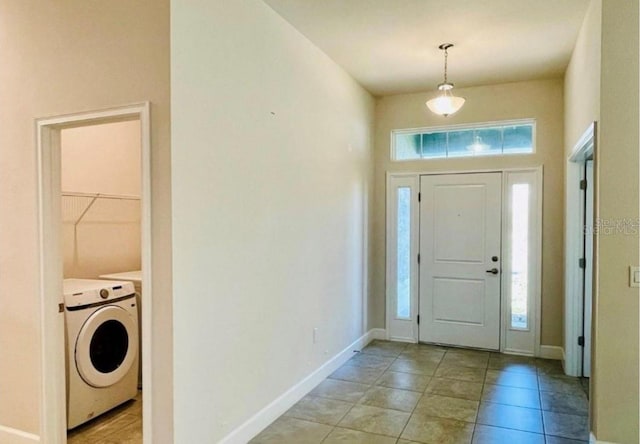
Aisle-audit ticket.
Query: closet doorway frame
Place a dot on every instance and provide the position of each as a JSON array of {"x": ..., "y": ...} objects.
[
  {"x": 53, "y": 422},
  {"x": 585, "y": 147}
]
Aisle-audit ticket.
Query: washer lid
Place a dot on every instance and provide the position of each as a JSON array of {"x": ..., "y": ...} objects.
[
  {"x": 107, "y": 346},
  {"x": 133, "y": 276}
]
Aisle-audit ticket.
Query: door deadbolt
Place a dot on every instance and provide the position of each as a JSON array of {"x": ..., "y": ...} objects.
[{"x": 494, "y": 259}]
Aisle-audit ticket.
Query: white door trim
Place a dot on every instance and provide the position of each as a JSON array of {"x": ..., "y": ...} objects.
[
  {"x": 589, "y": 237},
  {"x": 574, "y": 217},
  {"x": 538, "y": 299},
  {"x": 53, "y": 429}
]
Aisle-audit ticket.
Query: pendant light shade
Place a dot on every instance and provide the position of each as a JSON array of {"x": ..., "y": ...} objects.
[{"x": 446, "y": 103}]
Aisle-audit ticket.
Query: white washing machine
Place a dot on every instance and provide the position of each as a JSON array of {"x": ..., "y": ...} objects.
[
  {"x": 135, "y": 277},
  {"x": 102, "y": 346}
]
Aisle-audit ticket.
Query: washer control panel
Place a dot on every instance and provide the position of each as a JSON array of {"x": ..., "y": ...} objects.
[{"x": 80, "y": 292}]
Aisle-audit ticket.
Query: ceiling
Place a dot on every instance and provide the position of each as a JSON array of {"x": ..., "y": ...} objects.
[{"x": 391, "y": 46}]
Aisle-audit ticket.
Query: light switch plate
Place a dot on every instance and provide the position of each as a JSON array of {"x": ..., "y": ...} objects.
[{"x": 634, "y": 276}]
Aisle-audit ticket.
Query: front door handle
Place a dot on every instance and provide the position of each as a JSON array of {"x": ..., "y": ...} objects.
[{"x": 493, "y": 271}]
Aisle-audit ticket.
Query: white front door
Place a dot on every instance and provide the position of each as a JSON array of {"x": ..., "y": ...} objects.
[{"x": 460, "y": 226}]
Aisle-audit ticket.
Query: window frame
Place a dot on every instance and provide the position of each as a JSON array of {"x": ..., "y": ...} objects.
[
  {"x": 462, "y": 127},
  {"x": 518, "y": 340},
  {"x": 400, "y": 328}
]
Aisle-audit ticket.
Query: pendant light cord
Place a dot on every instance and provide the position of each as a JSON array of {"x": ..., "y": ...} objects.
[{"x": 446, "y": 55}]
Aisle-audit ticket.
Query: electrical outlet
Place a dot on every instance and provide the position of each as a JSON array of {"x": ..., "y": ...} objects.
[
  {"x": 315, "y": 335},
  {"x": 634, "y": 276}
]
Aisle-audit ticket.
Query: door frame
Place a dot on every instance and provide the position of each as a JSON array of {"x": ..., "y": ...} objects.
[
  {"x": 589, "y": 238},
  {"x": 574, "y": 246},
  {"x": 536, "y": 325},
  {"x": 53, "y": 425}
]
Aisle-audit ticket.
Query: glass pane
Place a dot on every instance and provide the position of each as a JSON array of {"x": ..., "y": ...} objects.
[
  {"x": 460, "y": 143},
  {"x": 403, "y": 289},
  {"x": 467, "y": 142},
  {"x": 109, "y": 346},
  {"x": 434, "y": 145},
  {"x": 519, "y": 255},
  {"x": 406, "y": 146},
  {"x": 486, "y": 141},
  {"x": 518, "y": 139}
]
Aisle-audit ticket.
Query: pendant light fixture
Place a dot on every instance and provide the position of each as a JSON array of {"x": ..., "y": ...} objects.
[{"x": 446, "y": 103}]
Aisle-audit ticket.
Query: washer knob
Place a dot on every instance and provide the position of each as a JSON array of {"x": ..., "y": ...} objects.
[{"x": 104, "y": 293}]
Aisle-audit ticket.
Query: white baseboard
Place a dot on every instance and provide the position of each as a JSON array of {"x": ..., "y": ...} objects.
[
  {"x": 552, "y": 352},
  {"x": 271, "y": 412},
  {"x": 376, "y": 333},
  {"x": 10, "y": 435}
]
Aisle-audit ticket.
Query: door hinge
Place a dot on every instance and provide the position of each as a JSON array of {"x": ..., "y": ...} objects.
[
  {"x": 418, "y": 319},
  {"x": 60, "y": 307},
  {"x": 582, "y": 262},
  {"x": 419, "y": 197},
  {"x": 583, "y": 184},
  {"x": 418, "y": 258},
  {"x": 581, "y": 341}
]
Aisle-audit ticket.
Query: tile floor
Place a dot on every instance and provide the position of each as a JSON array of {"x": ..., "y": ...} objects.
[
  {"x": 393, "y": 393},
  {"x": 122, "y": 425}
]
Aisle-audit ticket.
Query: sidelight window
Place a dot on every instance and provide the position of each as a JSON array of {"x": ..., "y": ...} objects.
[
  {"x": 403, "y": 253},
  {"x": 519, "y": 256}
]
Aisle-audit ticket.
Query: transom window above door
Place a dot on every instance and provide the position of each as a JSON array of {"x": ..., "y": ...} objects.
[{"x": 485, "y": 139}]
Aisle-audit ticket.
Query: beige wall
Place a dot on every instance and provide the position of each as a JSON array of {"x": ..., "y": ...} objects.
[
  {"x": 271, "y": 177},
  {"x": 615, "y": 366},
  {"x": 582, "y": 107},
  {"x": 63, "y": 57},
  {"x": 582, "y": 79},
  {"x": 542, "y": 100},
  {"x": 101, "y": 159}
]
